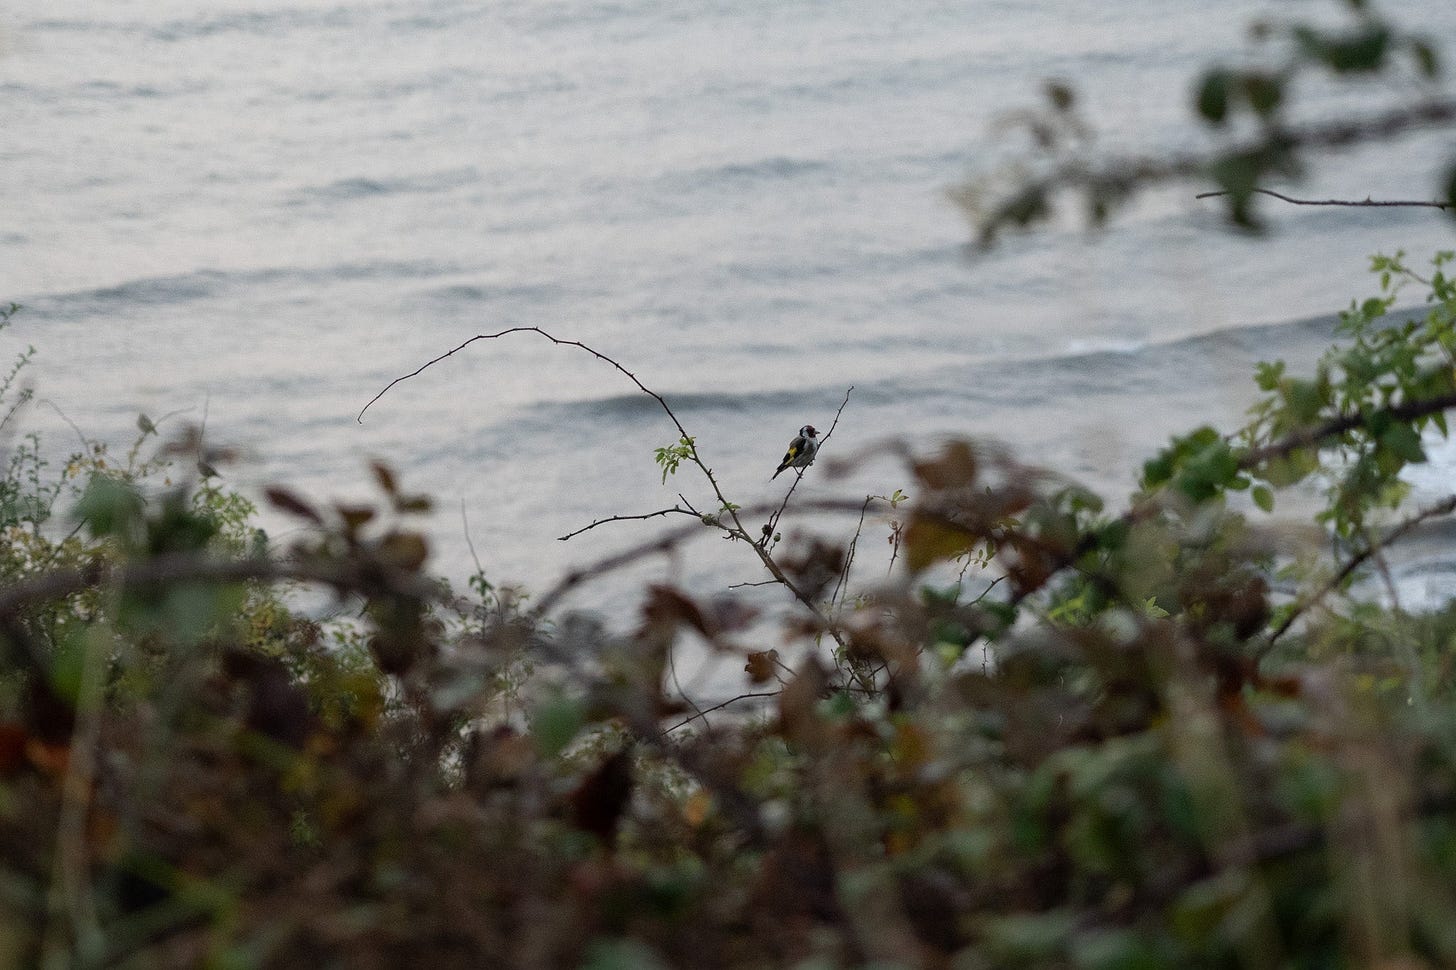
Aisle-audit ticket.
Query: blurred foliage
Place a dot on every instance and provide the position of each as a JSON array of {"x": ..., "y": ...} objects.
[
  {"x": 1059, "y": 735},
  {"x": 1250, "y": 112}
]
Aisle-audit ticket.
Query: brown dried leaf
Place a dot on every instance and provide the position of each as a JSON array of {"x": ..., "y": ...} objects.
[
  {"x": 403, "y": 550},
  {"x": 286, "y": 500},
  {"x": 929, "y": 541},
  {"x": 354, "y": 516},
  {"x": 955, "y": 468},
  {"x": 697, "y": 807},
  {"x": 761, "y": 666},
  {"x": 416, "y": 504},
  {"x": 13, "y": 738},
  {"x": 598, "y": 803},
  {"x": 798, "y": 702},
  {"x": 384, "y": 475},
  {"x": 670, "y": 608}
]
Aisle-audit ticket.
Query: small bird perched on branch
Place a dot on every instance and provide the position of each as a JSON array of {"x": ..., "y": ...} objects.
[{"x": 801, "y": 450}]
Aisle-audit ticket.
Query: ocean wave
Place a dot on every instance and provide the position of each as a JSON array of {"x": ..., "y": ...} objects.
[
  {"x": 204, "y": 284},
  {"x": 258, "y": 23},
  {"x": 774, "y": 168},
  {"x": 265, "y": 23},
  {"x": 360, "y": 187},
  {"x": 470, "y": 297},
  {"x": 631, "y": 406},
  {"x": 1080, "y": 368},
  {"x": 1082, "y": 346}
]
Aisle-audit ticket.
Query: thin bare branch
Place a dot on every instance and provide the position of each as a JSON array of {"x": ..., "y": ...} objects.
[
  {"x": 718, "y": 707},
  {"x": 669, "y": 541},
  {"x": 536, "y": 330},
  {"x": 842, "y": 583},
  {"x": 86, "y": 443},
  {"x": 1444, "y": 507},
  {"x": 629, "y": 518},
  {"x": 1367, "y": 202},
  {"x": 986, "y": 592},
  {"x": 677, "y": 684},
  {"x": 728, "y": 509},
  {"x": 469, "y": 543}
]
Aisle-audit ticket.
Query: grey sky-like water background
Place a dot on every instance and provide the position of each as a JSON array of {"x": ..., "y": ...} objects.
[{"x": 265, "y": 210}]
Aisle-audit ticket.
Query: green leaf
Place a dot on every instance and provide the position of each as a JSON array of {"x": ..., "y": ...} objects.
[
  {"x": 621, "y": 954},
  {"x": 110, "y": 508},
  {"x": 67, "y": 663},
  {"x": 1363, "y": 50},
  {"x": 1263, "y": 497},
  {"x": 1116, "y": 949},
  {"x": 1152, "y": 610},
  {"x": 1264, "y": 92},
  {"x": 1374, "y": 307},
  {"x": 1209, "y": 471},
  {"x": 1213, "y": 96},
  {"x": 1426, "y": 58},
  {"x": 555, "y": 723},
  {"x": 1060, "y": 95},
  {"x": 928, "y": 541},
  {"x": 189, "y": 611},
  {"x": 1404, "y": 442},
  {"x": 1268, "y": 374},
  {"x": 1305, "y": 399},
  {"x": 1238, "y": 175}
]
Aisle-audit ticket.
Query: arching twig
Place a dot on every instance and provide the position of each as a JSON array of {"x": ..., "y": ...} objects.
[
  {"x": 728, "y": 510},
  {"x": 536, "y": 330},
  {"x": 1339, "y": 202},
  {"x": 718, "y": 707},
  {"x": 842, "y": 583}
]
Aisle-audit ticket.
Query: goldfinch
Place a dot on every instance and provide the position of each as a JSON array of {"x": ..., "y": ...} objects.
[{"x": 801, "y": 450}]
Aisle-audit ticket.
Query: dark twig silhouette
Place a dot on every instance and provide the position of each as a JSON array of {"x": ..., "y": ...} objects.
[
  {"x": 1373, "y": 203},
  {"x": 628, "y": 518},
  {"x": 726, "y": 518}
]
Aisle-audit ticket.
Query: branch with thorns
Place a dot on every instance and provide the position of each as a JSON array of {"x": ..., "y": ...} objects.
[{"x": 727, "y": 519}]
